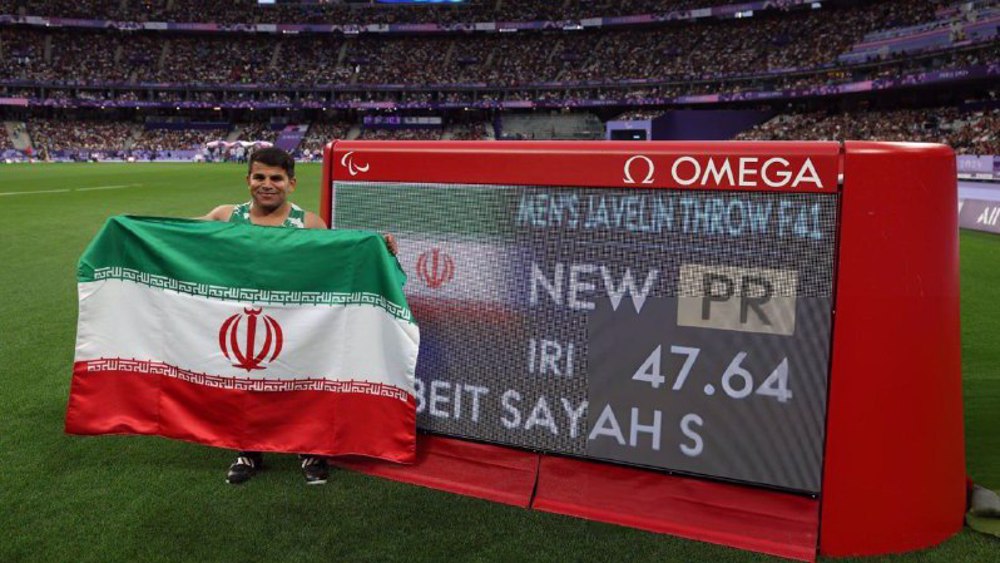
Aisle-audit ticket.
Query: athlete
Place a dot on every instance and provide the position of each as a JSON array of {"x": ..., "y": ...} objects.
[{"x": 270, "y": 178}]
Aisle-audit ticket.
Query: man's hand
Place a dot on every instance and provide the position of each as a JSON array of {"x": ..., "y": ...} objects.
[{"x": 390, "y": 243}]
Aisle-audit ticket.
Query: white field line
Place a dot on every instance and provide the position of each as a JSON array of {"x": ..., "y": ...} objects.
[
  {"x": 117, "y": 187},
  {"x": 114, "y": 187},
  {"x": 37, "y": 192}
]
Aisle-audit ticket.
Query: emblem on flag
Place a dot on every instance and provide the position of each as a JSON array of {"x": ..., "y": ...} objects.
[{"x": 249, "y": 357}]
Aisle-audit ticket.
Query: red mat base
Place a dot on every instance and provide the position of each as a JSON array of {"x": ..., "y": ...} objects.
[
  {"x": 483, "y": 471},
  {"x": 759, "y": 520}
]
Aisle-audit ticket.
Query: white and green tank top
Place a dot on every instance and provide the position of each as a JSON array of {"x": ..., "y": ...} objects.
[{"x": 296, "y": 217}]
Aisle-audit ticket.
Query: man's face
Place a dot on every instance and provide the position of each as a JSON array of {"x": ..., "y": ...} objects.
[{"x": 269, "y": 185}]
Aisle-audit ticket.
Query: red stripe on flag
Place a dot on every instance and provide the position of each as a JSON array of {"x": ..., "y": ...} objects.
[{"x": 319, "y": 422}]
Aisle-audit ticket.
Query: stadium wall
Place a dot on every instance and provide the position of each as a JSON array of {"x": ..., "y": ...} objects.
[{"x": 706, "y": 125}]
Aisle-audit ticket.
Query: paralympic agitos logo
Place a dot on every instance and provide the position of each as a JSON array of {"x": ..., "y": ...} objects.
[
  {"x": 725, "y": 172},
  {"x": 247, "y": 354},
  {"x": 353, "y": 168}
]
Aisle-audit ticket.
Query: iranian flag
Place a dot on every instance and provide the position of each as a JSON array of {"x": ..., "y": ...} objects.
[{"x": 245, "y": 337}]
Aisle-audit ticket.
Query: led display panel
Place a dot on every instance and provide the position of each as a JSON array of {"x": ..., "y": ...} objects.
[{"x": 682, "y": 330}]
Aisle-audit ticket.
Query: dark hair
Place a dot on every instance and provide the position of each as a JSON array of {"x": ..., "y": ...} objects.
[{"x": 273, "y": 156}]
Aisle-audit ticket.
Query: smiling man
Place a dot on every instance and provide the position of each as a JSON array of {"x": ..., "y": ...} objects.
[{"x": 271, "y": 177}]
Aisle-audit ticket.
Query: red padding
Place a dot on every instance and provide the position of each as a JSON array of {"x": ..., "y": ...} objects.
[
  {"x": 495, "y": 473},
  {"x": 894, "y": 469},
  {"x": 770, "y": 522}
]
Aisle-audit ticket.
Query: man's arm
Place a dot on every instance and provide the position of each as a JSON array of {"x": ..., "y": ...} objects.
[
  {"x": 314, "y": 221},
  {"x": 220, "y": 213}
]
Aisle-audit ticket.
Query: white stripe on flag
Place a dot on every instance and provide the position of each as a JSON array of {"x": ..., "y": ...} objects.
[{"x": 339, "y": 343}]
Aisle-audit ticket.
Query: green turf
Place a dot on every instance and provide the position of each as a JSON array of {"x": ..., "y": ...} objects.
[{"x": 102, "y": 499}]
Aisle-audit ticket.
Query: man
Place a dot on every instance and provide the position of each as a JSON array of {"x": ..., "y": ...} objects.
[{"x": 271, "y": 177}]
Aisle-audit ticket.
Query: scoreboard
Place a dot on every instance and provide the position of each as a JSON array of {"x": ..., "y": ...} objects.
[
  {"x": 665, "y": 306},
  {"x": 677, "y": 330}
]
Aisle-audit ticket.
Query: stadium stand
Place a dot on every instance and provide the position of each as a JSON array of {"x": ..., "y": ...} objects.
[
  {"x": 249, "y": 11},
  {"x": 402, "y": 135},
  {"x": 8, "y": 133},
  {"x": 799, "y": 40},
  {"x": 969, "y": 133},
  {"x": 257, "y": 132},
  {"x": 830, "y": 70},
  {"x": 321, "y": 132},
  {"x": 470, "y": 132},
  {"x": 170, "y": 140},
  {"x": 55, "y": 135}
]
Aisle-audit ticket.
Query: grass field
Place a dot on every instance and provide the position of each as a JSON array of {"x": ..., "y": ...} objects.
[{"x": 105, "y": 499}]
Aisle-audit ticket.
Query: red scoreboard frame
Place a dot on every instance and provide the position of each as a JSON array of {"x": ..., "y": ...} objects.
[{"x": 894, "y": 456}]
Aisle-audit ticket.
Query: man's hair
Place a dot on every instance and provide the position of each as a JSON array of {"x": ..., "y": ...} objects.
[{"x": 273, "y": 156}]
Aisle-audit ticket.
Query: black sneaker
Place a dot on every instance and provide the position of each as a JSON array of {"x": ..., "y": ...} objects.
[
  {"x": 315, "y": 470},
  {"x": 243, "y": 469}
]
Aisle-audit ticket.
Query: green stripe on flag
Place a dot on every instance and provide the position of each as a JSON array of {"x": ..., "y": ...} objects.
[{"x": 293, "y": 266}]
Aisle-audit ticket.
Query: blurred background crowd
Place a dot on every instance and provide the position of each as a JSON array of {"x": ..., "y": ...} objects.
[{"x": 837, "y": 69}]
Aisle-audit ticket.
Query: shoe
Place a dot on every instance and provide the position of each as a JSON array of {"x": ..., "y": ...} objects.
[
  {"x": 243, "y": 469},
  {"x": 315, "y": 470}
]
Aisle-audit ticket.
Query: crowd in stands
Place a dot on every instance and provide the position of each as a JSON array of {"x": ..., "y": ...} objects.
[
  {"x": 56, "y": 135},
  {"x": 5, "y": 142},
  {"x": 249, "y": 11},
  {"x": 257, "y": 132},
  {"x": 49, "y": 135},
  {"x": 681, "y": 51},
  {"x": 980, "y": 135},
  {"x": 773, "y": 50},
  {"x": 320, "y": 133},
  {"x": 186, "y": 139},
  {"x": 213, "y": 60},
  {"x": 22, "y": 54},
  {"x": 176, "y": 139},
  {"x": 475, "y": 131},
  {"x": 968, "y": 133},
  {"x": 79, "y": 57},
  {"x": 309, "y": 60},
  {"x": 101, "y": 135},
  {"x": 400, "y": 134},
  {"x": 514, "y": 10},
  {"x": 638, "y": 114}
]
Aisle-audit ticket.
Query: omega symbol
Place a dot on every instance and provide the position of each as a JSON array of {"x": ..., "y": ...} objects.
[{"x": 649, "y": 169}]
